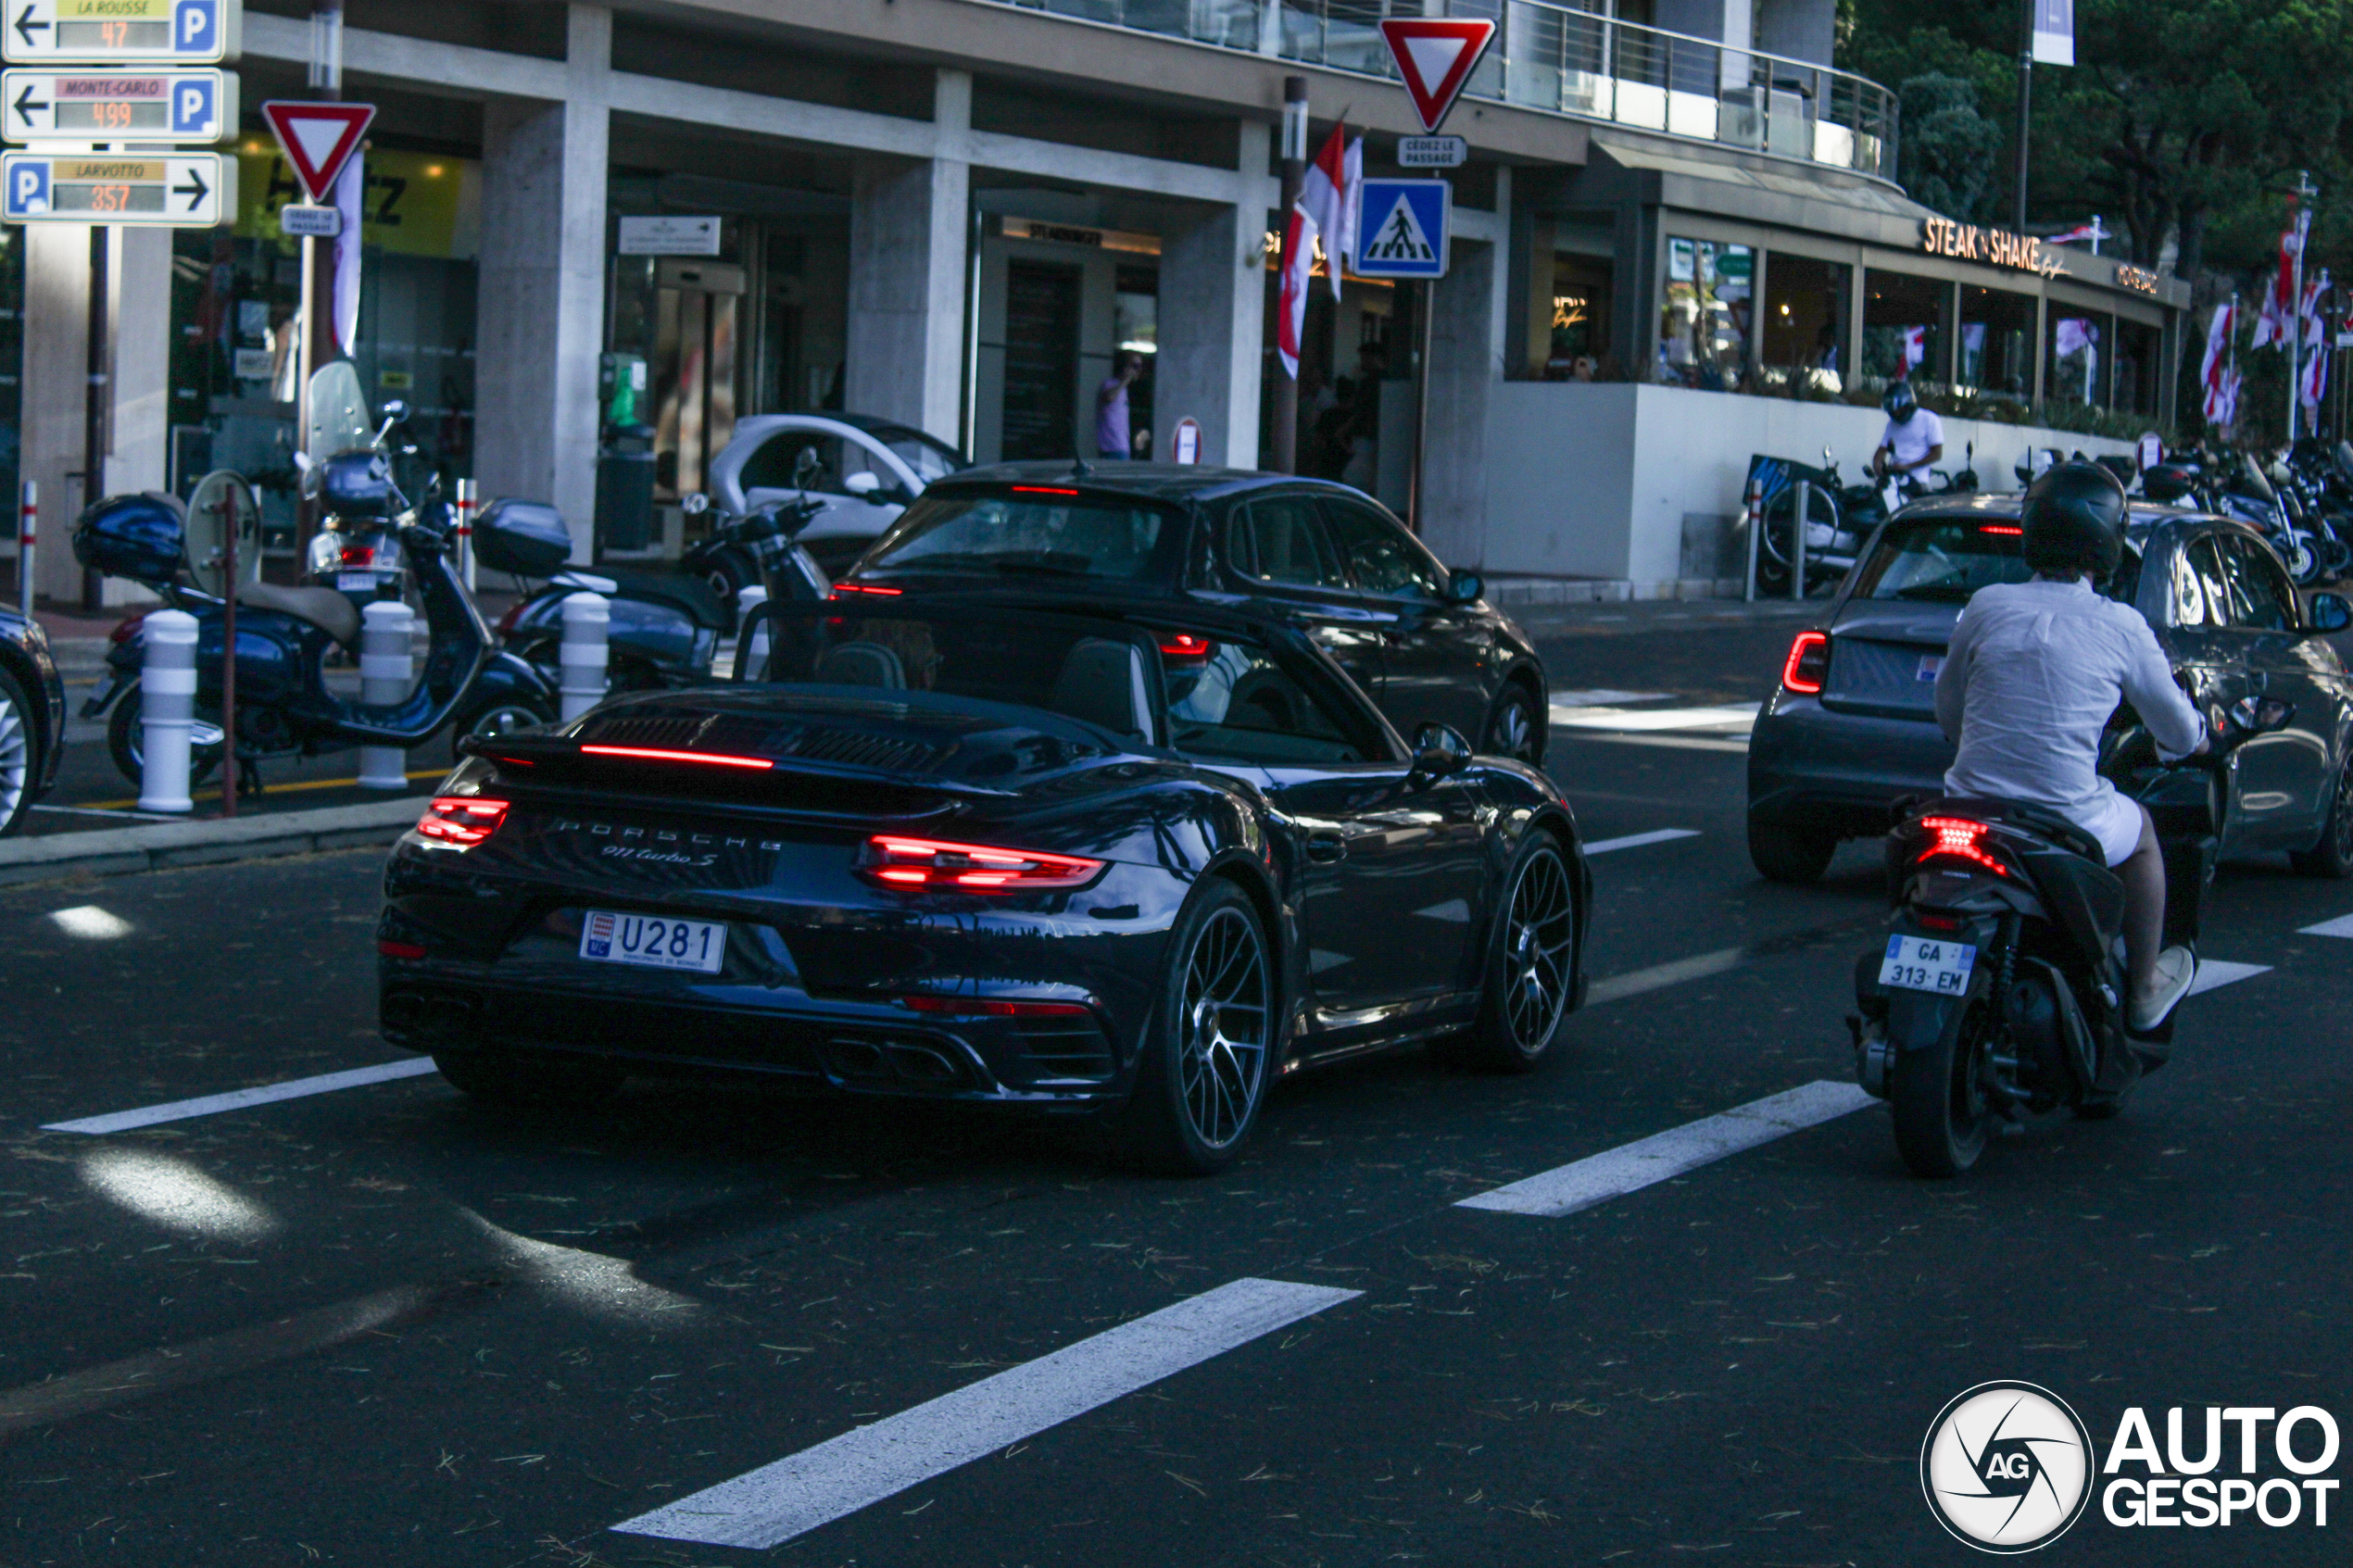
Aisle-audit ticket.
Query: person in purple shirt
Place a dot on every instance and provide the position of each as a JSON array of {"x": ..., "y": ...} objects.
[{"x": 1113, "y": 438}]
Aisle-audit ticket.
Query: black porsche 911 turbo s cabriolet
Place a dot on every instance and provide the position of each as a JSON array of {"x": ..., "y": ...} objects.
[{"x": 1138, "y": 863}]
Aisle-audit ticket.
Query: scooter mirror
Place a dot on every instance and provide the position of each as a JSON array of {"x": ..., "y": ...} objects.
[
  {"x": 694, "y": 504},
  {"x": 865, "y": 484}
]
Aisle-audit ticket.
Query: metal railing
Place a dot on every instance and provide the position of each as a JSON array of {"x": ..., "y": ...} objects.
[{"x": 1561, "y": 60}]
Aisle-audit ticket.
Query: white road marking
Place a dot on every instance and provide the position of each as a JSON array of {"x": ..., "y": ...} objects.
[
  {"x": 90, "y": 922},
  {"x": 1636, "y": 840},
  {"x": 1605, "y": 698},
  {"x": 1739, "y": 717},
  {"x": 2215, "y": 973},
  {"x": 1681, "y": 742},
  {"x": 1649, "y": 1160},
  {"x": 240, "y": 1099},
  {"x": 2340, "y": 926},
  {"x": 1618, "y": 987},
  {"x": 773, "y": 1504}
]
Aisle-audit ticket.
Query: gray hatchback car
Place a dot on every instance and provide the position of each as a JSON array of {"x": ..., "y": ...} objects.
[{"x": 1852, "y": 729}]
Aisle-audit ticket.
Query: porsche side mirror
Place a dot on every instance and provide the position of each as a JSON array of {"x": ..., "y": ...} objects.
[
  {"x": 1440, "y": 751},
  {"x": 2331, "y": 613},
  {"x": 1465, "y": 588}
]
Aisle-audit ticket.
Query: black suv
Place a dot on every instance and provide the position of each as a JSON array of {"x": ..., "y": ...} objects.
[{"x": 1418, "y": 638}]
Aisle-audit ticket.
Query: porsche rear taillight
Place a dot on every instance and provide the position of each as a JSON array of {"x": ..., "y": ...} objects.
[
  {"x": 461, "y": 820},
  {"x": 895, "y": 861},
  {"x": 1808, "y": 662},
  {"x": 1961, "y": 839}
]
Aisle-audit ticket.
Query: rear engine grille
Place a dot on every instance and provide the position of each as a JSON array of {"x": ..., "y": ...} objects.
[
  {"x": 671, "y": 732},
  {"x": 744, "y": 735},
  {"x": 1065, "y": 1048}
]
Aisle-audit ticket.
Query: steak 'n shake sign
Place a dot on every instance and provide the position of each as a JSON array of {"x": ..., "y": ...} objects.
[{"x": 1995, "y": 247}]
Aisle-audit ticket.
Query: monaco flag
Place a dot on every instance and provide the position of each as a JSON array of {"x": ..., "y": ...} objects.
[
  {"x": 2275, "y": 321},
  {"x": 2214, "y": 375},
  {"x": 1325, "y": 209}
]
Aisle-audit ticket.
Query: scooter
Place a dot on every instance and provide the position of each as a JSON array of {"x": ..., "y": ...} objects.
[
  {"x": 356, "y": 550},
  {"x": 283, "y": 637},
  {"x": 1840, "y": 517},
  {"x": 1999, "y": 992}
]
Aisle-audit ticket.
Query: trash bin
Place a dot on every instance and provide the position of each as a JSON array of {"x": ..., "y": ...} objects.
[{"x": 626, "y": 488}]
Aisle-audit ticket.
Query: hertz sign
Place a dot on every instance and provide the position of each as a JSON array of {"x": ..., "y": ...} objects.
[{"x": 1995, "y": 247}]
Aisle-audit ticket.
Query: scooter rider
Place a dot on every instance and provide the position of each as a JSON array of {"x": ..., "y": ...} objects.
[
  {"x": 1914, "y": 440},
  {"x": 2034, "y": 672}
]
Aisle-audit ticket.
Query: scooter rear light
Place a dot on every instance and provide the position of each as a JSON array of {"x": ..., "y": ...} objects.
[
  {"x": 1808, "y": 662},
  {"x": 513, "y": 617},
  {"x": 358, "y": 555},
  {"x": 1958, "y": 837},
  {"x": 462, "y": 820},
  {"x": 127, "y": 629},
  {"x": 971, "y": 868}
]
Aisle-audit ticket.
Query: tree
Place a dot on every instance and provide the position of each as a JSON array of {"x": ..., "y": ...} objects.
[{"x": 1948, "y": 151}]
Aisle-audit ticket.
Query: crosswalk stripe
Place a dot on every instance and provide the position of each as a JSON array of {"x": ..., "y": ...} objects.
[
  {"x": 241, "y": 1100},
  {"x": 1636, "y": 840},
  {"x": 766, "y": 1507},
  {"x": 2215, "y": 973},
  {"x": 2340, "y": 926},
  {"x": 1580, "y": 1184}
]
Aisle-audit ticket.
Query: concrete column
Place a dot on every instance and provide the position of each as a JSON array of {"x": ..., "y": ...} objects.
[
  {"x": 1465, "y": 362},
  {"x": 56, "y": 357},
  {"x": 542, "y": 286},
  {"x": 1212, "y": 322},
  {"x": 908, "y": 223}
]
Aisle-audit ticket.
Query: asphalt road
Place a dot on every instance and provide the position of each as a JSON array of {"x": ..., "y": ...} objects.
[{"x": 382, "y": 1327}]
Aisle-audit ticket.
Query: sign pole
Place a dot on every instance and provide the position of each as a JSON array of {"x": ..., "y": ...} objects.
[
  {"x": 225, "y": 510},
  {"x": 325, "y": 84},
  {"x": 1416, "y": 500},
  {"x": 1283, "y": 440},
  {"x": 94, "y": 407}
]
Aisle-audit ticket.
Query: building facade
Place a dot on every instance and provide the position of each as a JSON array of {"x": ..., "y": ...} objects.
[{"x": 958, "y": 214}]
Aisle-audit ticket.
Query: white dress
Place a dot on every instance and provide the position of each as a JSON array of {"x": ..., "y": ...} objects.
[{"x": 2032, "y": 672}]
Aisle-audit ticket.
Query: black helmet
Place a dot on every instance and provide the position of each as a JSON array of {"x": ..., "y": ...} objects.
[
  {"x": 2166, "y": 482},
  {"x": 2074, "y": 521},
  {"x": 1899, "y": 402}
]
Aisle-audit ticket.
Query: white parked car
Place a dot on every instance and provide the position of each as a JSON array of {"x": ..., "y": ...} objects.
[{"x": 867, "y": 473}]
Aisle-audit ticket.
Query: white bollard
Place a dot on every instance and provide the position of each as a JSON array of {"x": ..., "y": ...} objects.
[
  {"x": 385, "y": 676},
  {"x": 167, "y": 709},
  {"x": 587, "y": 620},
  {"x": 755, "y": 659},
  {"x": 468, "y": 502}
]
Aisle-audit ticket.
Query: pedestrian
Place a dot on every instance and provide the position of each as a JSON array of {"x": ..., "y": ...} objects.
[{"x": 1112, "y": 438}]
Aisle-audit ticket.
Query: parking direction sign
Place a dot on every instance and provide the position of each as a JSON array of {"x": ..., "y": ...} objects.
[
  {"x": 197, "y": 106},
  {"x": 121, "y": 33},
  {"x": 1402, "y": 229},
  {"x": 160, "y": 191}
]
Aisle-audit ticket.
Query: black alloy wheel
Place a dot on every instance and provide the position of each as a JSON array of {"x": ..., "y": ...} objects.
[
  {"x": 1532, "y": 964},
  {"x": 17, "y": 761},
  {"x": 1513, "y": 729},
  {"x": 1790, "y": 852},
  {"x": 1942, "y": 1108},
  {"x": 1210, "y": 1048},
  {"x": 2332, "y": 857}
]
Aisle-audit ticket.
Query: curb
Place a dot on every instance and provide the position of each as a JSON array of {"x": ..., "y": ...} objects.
[{"x": 117, "y": 851}]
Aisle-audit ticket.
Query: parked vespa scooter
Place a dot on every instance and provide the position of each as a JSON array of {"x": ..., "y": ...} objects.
[{"x": 284, "y": 708}]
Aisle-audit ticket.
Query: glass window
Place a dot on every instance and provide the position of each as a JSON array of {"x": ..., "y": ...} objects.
[
  {"x": 1704, "y": 321},
  {"x": 1942, "y": 561},
  {"x": 2191, "y": 607},
  {"x": 2260, "y": 591},
  {"x": 775, "y": 465},
  {"x": 1281, "y": 540},
  {"x": 2076, "y": 356},
  {"x": 2137, "y": 368},
  {"x": 1997, "y": 343},
  {"x": 1030, "y": 531},
  {"x": 1807, "y": 306},
  {"x": 1903, "y": 328},
  {"x": 1237, "y": 704},
  {"x": 1382, "y": 558},
  {"x": 1580, "y": 318}
]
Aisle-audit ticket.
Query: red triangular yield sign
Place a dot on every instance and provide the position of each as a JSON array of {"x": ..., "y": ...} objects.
[
  {"x": 1435, "y": 57},
  {"x": 318, "y": 139}
]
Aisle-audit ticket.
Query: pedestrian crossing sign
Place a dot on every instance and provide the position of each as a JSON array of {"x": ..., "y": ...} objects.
[{"x": 1402, "y": 228}]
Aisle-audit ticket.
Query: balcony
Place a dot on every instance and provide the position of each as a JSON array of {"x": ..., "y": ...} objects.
[{"x": 1558, "y": 59}]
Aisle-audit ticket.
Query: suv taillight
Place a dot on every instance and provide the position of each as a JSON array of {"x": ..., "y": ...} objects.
[{"x": 1808, "y": 662}]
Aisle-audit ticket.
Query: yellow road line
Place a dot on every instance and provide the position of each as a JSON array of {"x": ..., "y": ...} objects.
[{"x": 213, "y": 791}]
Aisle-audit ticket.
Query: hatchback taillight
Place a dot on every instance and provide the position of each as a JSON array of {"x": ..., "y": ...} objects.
[
  {"x": 461, "y": 820},
  {"x": 1808, "y": 662}
]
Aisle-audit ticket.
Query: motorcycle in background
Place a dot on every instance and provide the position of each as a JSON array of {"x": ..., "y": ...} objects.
[{"x": 1840, "y": 517}]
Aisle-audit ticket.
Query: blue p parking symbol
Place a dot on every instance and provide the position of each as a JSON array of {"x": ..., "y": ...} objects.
[
  {"x": 195, "y": 27},
  {"x": 28, "y": 189},
  {"x": 191, "y": 107}
]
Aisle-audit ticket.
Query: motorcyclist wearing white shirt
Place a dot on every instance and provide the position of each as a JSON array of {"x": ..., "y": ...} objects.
[
  {"x": 2030, "y": 679},
  {"x": 1914, "y": 440}
]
